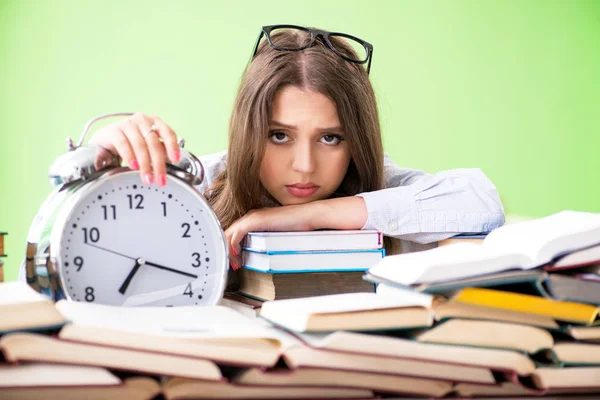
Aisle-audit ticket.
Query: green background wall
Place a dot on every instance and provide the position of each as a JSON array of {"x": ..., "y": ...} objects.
[{"x": 512, "y": 87}]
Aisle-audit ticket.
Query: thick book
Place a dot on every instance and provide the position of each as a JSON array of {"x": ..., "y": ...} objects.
[
  {"x": 524, "y": 245},
  {"x": 444, "y": 309},
  {"x": 314, "y": 240},
  {"x": 24, "y": 309},
  {"x": 491, "y": 334},
  {"x": 577, "y": 259},
  {"x": 550, "y": 285},
  {"x": 584, "y": 333},
  {"x": 311, "y": 261},
  {"x": 385, "y": 354},
  {"x": 552, "y": 383},
  {"x": 180, "y": 388},
  {"x": 268, "y": 286},
  {"x": 2, "y": 251},
  {"x": 213, "y": 333},
  {"x": 579, "y": 313},
  {"x": 299, "y": 357},
  {"x": 66, "y": 382},
  {"x": 352, "y": 311},
  {"x": 323, "y": 377},
  {"x": 33, "y": 347}
]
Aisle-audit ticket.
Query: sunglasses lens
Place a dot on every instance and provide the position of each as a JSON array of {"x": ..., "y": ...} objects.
[
  {"x": 300, "y": 38},
  {"x": 349, "y": 47}
]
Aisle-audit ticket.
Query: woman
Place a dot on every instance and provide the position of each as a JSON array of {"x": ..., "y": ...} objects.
[{"x": 305, "y": 152}]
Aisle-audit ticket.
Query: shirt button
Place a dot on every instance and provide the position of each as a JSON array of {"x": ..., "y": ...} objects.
[{"x": 392, "y": 225}]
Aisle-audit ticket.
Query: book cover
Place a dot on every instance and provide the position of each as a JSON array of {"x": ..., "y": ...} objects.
[
  {"x": 584, "y": 314},
  {"x": 311, "y": 261},
  {"x": 321, "y": 240}
]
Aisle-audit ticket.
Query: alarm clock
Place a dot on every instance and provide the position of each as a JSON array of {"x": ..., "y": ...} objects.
[{"x": 103, "y": 236}]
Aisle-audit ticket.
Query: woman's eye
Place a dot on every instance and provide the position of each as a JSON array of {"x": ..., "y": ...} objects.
[
  {"x": 331, "y": 139},
  {"x": 278, "y": 137}
]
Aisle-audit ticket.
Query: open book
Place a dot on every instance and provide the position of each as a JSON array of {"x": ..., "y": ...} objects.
[
  {"x": 24, "y": 309},
  {"x": 215, "y": 333},
  {"x": 350, "y": 311},
  {"x": 33, "y": 347},
  {"x": 523, "y": 245},
  {"x": 324, "y": 377},
  {"x": 55, "y": 381},
  {"x": 563, "y": 382}
]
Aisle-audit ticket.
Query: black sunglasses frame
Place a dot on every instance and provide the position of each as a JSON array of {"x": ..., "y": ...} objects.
[{"x": 314, "y": 34}]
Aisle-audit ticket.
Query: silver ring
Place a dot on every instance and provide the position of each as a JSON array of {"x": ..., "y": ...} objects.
[{"x": 153, "y": 128}]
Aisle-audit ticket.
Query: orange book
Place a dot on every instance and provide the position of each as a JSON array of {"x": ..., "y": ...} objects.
[{"x": 584, "y": 314}]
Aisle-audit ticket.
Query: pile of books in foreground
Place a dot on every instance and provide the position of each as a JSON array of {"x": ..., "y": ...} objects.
[{"x": 514, "y": 316}]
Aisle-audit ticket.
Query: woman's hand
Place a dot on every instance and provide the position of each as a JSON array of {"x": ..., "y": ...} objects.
[
  {"x": 149, "y": 153},
  {"x": 341, "y": 213}
]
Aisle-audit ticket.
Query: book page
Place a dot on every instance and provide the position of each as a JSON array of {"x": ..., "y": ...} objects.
[
  {"x": 589, "y": 255},
  {"x": 42, "y": 374},
  {"x": 544, "y": 238},
  {"x": 454, "y": 261},
  {"x": 18, "y": 293},
  {"x": 216, "y": 322},
  {"x": 341, "y": 303}
]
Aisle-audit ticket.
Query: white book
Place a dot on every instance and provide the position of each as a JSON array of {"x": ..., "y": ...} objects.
[
  {"x": 349, "y": 311},
  {"x": 523, "y": 245},
  {"x": 325, "y": 261},
  {"x": 314, "y": 240}
]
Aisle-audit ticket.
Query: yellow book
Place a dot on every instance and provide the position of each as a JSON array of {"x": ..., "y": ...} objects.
[{"x": 561, "y": 310}]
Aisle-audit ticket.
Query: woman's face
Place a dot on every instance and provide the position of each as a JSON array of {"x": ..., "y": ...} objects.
[{"x": 307, "y": 156}]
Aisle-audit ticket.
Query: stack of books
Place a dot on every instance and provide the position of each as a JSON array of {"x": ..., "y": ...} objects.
[
  {"x": 522, "y": 303},
  {"x": 451, "y": 322},
  {"x": 282, "y": 265}
]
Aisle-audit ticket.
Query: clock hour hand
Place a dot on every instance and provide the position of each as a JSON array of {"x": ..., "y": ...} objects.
[
  {"x": 171, "y": 269},
  {"x": 138, "y": 263}
]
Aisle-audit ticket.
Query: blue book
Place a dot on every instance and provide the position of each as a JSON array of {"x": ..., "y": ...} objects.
[{"x": 281, "y": 262}]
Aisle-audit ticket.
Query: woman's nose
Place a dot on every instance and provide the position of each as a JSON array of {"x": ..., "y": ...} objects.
[{"x": 304, "y": 161}]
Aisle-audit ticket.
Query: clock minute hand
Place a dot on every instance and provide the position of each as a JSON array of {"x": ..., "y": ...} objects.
[
  {"x": 146, "y": 262},
  {"x": 112, "y": 251},
  {"x": 151, "y": 264}
]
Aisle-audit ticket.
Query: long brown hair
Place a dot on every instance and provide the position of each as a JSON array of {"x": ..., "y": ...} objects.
[{"x": 238, "y": 189}]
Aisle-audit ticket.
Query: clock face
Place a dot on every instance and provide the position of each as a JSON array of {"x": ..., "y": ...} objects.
[{"x": 121, "y": 242}]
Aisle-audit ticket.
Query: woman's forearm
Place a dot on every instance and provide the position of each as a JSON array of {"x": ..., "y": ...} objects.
[{"x": 340, "y": 213}]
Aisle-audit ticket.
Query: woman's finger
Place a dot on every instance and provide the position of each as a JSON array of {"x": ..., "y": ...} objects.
[
  {"x": 234, "y": 243},
  {"x": 140, "y": 149},
  {"x": 232, "y": 261},
  {"x": 169, "y": 139},
  {"x": 156, "y": 149},
  {"x": 123, "y": 148}
]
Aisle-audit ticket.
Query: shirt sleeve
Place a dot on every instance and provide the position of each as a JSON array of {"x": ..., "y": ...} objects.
[
  {"x": 425, "y": 208},
  {"x": 213, "y": 164}
]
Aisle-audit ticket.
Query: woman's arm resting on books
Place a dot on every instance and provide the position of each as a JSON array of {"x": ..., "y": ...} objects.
[
  {"x": 340, "y": 213},
  {"x": 425, "y": 208}
]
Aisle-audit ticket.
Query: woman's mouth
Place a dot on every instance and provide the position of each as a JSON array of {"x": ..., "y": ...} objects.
[{"x": 302, "y": 189}]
